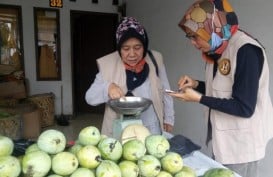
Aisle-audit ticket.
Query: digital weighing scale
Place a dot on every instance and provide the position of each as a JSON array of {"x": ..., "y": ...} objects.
[{"x": 129, "y": 110}]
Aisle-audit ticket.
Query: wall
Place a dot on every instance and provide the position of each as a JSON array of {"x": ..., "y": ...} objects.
[
  {"x": 161, "y": 18},
  {"x": 37, "y": 87}
]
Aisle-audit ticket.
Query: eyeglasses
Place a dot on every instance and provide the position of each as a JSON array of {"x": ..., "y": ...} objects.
[{"x": 191, "y": 36}]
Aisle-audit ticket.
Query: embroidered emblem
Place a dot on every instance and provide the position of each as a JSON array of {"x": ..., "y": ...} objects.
[{"x": 224, "y": 66}]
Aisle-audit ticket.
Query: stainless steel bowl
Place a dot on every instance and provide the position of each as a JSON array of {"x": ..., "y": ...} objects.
[{"x": 129, "y": 105}]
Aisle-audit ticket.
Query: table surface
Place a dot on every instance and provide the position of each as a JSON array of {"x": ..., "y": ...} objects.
[
  {"x": 198, "y": 160},
  {"x": 201, "y": 163}
]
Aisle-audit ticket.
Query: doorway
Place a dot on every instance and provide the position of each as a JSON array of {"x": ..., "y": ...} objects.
[{"x": 93, "y": 36}]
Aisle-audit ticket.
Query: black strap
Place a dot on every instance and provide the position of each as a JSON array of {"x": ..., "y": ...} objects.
[{"x": 154, "y": 61}]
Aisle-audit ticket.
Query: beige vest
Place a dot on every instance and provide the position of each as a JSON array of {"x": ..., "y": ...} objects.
[
  {"x": 113, "y": 71},
  {"x": 234, "y": 139}
]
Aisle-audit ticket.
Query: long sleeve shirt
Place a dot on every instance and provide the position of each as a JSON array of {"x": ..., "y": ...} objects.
[
  {"x": 244, "y": 91},
  {"x": 98, "y": 94}
]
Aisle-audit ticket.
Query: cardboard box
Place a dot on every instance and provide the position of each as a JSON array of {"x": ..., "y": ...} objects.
[
  {"x": 31, "y": 124},
  {"x": 13, "y": 89}
]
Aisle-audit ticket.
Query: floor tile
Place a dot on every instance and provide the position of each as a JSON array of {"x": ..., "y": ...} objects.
[{"x": 77, "y": 123}]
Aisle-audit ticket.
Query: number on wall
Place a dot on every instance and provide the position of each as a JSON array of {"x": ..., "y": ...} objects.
[{"x": 56, "y": 3}]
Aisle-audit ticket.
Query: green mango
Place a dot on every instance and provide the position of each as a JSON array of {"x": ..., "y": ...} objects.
[{"x": 219, "y": 172}]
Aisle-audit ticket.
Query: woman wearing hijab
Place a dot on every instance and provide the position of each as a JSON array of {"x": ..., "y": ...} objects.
[
  {"x": 130, "y": 71},
  {"x": 236, "y": 91}
]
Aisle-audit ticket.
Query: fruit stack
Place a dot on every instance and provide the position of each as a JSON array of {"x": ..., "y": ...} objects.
[{"x": 93, "y": 155}]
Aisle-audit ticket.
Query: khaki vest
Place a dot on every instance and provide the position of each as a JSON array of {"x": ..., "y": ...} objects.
[
  {"x": 234, "y": 139},
  {"x": 113, "y": 71}
]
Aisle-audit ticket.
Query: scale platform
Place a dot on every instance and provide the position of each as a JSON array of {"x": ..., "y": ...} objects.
[{"x": 129, "y": 109}]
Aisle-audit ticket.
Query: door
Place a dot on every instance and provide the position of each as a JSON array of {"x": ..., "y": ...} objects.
[{"x": 93, "y": 36}]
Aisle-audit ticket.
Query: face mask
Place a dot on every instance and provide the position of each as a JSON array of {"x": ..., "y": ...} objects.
[{"x": 215, "y": 41}]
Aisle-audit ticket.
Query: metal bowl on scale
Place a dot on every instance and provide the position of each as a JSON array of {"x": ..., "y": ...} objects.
[{"x": 129, "y": 105}]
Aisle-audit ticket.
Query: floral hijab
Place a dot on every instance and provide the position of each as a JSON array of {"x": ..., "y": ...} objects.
[
  {"x": 214, "y": 21},
  {"x": 126, "y": 24},
  {"x": 130, "y": 27}
]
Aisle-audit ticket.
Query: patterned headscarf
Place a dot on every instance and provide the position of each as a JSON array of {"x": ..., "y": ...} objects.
[
  {"x": 213, "y": 20},
  {"x": 128, "y": 28}
]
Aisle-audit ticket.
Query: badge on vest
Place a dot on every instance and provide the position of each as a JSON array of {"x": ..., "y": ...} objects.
[{"x": 224, "y": 66}]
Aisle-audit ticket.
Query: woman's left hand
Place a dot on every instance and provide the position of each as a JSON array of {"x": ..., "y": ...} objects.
[
  {"x": 187, "y": 94},
  {"x": 168, "y": 127}
]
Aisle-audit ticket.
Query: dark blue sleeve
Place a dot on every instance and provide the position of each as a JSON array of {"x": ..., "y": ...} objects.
[
  {"x": 246, "y": 82},
  {"x": 201, "y": 87}
]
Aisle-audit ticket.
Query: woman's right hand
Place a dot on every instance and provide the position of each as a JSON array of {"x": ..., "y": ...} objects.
[
  {"x": 187, "y": 82},
  {"x": 114, "y": 91},
  {"x": 188, "y": 94}
]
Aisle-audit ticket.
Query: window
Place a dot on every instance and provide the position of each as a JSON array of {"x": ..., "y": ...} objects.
[
  {"x": 47, "y": 38},
  {"x": 11, "y": 52}
]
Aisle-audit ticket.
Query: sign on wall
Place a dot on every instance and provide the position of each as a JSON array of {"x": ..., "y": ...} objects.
[{"x": 56, "y": 3}]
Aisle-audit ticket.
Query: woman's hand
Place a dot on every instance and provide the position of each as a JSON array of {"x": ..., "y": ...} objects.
[
  {"x": 188, "y": 94},
  {"x": 168, "y": 127},
  {"x": 114, "y": 91},
  {"x": 186, "y": 81}
]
